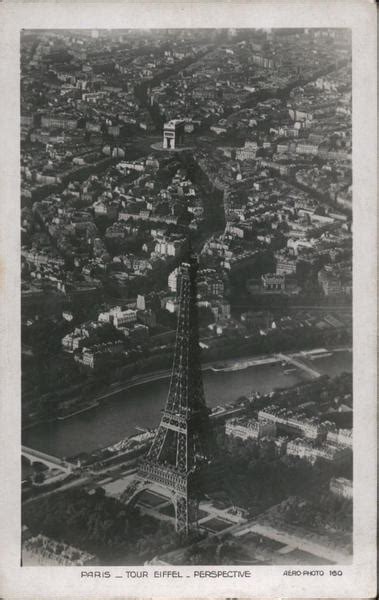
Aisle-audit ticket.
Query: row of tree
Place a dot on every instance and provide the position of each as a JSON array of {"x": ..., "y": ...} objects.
[{"x": 103, "y": 526}]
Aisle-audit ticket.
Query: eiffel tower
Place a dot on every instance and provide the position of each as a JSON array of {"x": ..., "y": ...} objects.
[{"x": 177, "y": 461}]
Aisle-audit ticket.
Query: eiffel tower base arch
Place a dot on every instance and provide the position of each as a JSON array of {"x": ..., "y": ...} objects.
[{"x": 182, "y": 505}]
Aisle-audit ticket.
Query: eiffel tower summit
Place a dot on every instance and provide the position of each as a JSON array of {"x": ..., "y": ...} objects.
[{"x": 177, "y": 461}]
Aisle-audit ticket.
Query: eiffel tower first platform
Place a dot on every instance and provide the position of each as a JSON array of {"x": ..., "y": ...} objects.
[{"x": 179, "y": 457}]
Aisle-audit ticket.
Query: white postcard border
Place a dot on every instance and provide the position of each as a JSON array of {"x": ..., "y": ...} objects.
[{"x": 359, "y": 579}]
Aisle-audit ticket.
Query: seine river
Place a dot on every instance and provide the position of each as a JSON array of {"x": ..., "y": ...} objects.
[{"x": 118, "y": 416}]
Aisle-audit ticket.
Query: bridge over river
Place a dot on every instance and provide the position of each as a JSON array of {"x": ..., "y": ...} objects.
[{"x": 50, "y": 461}]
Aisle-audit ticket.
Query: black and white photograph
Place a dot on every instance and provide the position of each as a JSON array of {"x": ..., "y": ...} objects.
[
  {"x": 186, "y": 297},
  {"x": 188, "y": 323}
]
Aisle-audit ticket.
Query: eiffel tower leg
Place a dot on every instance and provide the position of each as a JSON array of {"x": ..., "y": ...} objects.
[
  {"x": 181, "y": 509},
  {"x": 182, "y": 451},
  {"x": 157, "y": 445}
]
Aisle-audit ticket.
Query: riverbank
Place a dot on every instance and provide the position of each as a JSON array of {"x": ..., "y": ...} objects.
[
  {"x": 138, "y": 380},
  {"x": 228, "y": 371},
  {"x": 79, "y": 411},
  {"x": 239, "y": 365},
  {"x": 234, "y": 364},
  {"x": 116, "y": 388},
  {"x": 228, "y": 365},
  {"x": 121, "y": 413}
]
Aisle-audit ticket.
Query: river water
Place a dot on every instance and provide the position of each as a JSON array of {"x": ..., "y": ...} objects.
[{"x": 118, "y": 416}]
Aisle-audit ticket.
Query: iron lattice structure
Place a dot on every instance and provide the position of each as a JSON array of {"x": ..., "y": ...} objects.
[{"x": 182, "y": 446}]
